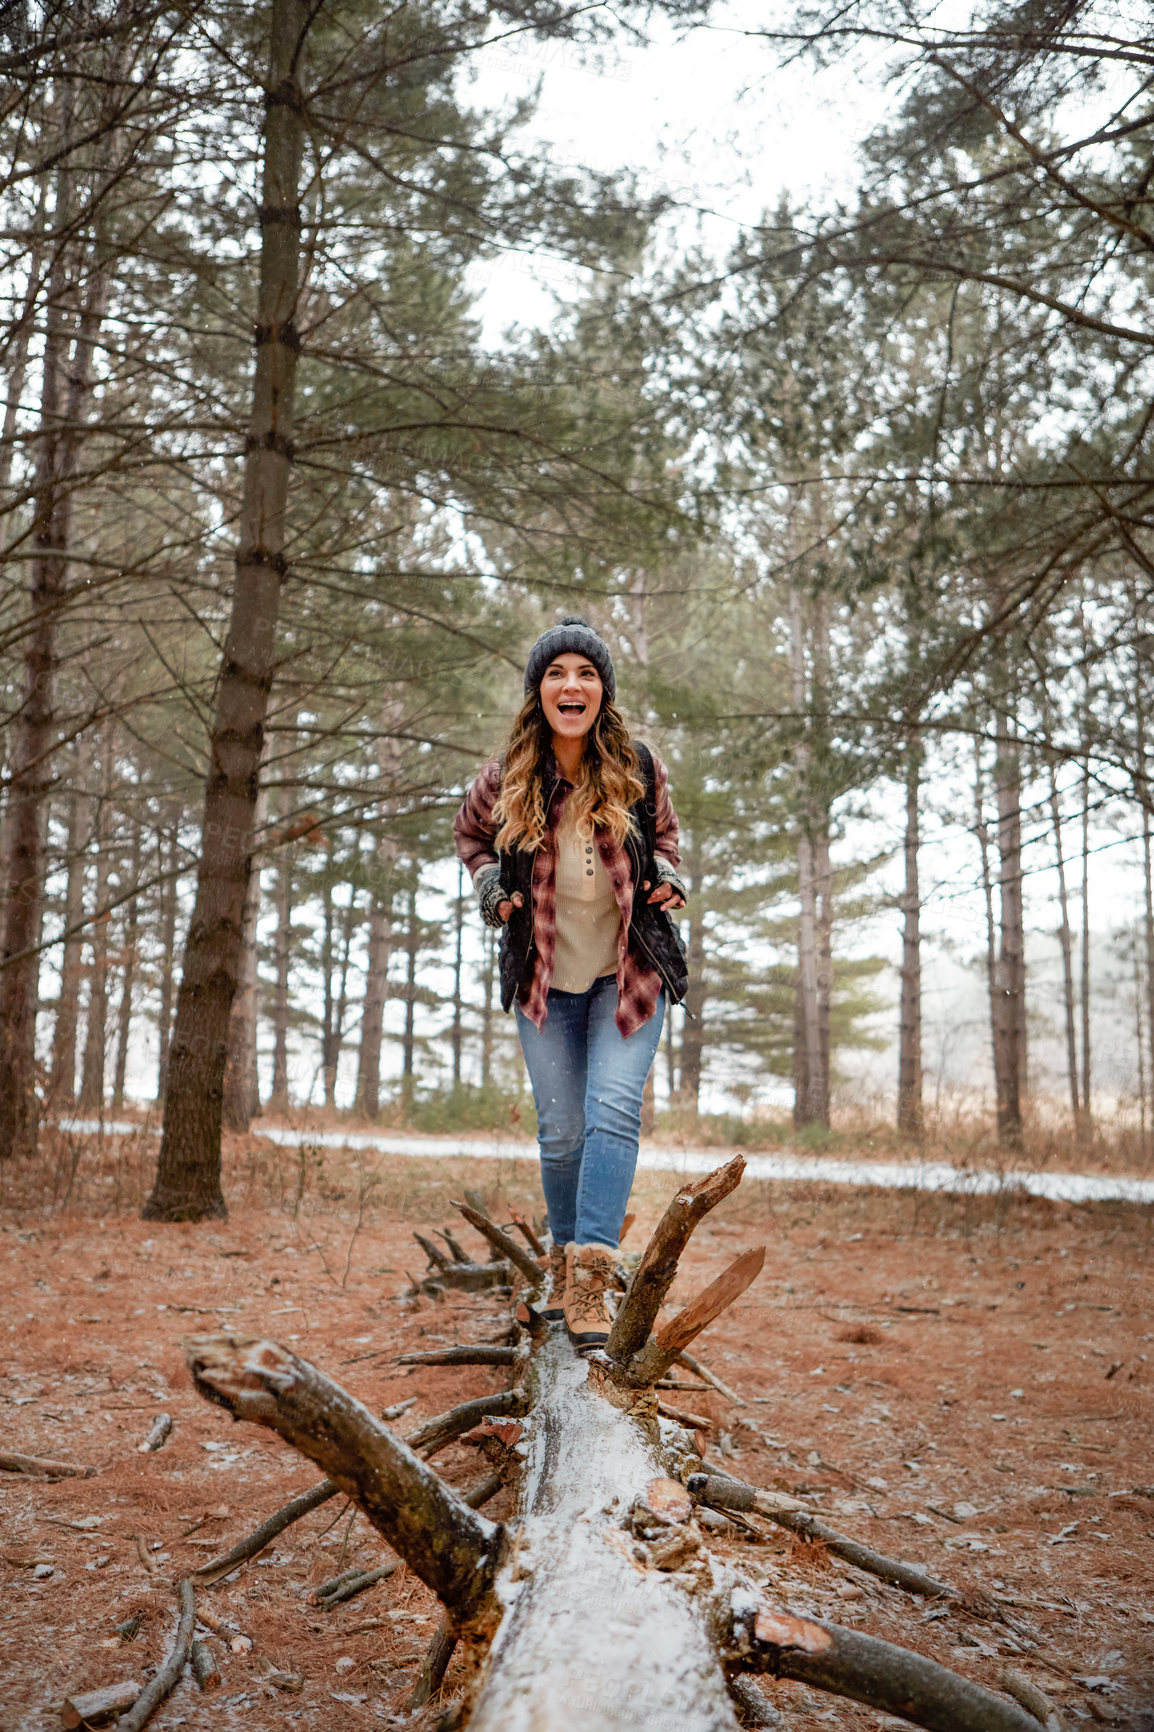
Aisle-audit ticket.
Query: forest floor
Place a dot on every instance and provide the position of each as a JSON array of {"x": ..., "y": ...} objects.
[{"x": 966, "y": 1382}]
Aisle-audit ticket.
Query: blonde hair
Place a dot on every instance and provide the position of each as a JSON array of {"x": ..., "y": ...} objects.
[{"x": 609, "y": 783}]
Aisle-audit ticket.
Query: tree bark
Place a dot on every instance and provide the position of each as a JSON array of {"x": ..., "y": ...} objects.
[
  {"x": 65, "y": 390},
  {"x": 368, "y": 1093},
  {"x": 279, "y": 1098},
  {"x": 187, "y": 1183},
  {"x": 168, "y": 855},
  {"x": 1066, "y": 943},
  {"x": 63, "y": 1084},
  {"x": 92, "y": 1071},
  {"x": 241, "y": 1100},
  {"x": 810, "y": 1085},
  {"x": 1086, "y": 1118},
  {"x": 128, "y": 973},
  {"x": 1010, "y": 972},
  {"x": 911, "y": 1117},
  {"x": 693, "y": 1024}
]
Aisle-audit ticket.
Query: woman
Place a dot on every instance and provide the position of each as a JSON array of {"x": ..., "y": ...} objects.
[{"x": 571, "y": 840}]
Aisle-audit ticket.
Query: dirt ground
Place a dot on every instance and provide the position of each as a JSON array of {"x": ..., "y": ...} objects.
[{"x": 964, "y": 1383}]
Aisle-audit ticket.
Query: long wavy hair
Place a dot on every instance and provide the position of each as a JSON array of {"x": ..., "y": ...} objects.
[{"x": 609, "y": 783}]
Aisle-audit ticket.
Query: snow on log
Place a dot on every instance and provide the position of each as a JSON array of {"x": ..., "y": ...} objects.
[{"x": 598, "y": 1627}]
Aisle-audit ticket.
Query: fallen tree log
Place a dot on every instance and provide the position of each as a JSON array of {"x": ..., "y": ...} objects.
[{"x": 598, "y": 1602}]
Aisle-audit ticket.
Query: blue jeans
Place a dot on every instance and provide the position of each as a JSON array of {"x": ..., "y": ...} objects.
[{"x": 588, "y": 1081}]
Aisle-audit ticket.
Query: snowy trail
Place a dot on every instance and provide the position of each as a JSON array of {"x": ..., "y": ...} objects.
[{"x": 879, "y": 1175}]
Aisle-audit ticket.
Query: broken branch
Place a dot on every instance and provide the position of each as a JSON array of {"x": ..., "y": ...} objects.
[
  {"x": 168, "y": 1677},
  {"x": 733, "y": 1494},
  {"x": 525, "y": 1228},
  {"x": 866, "y": 1669},
  {"x": 352, "y": 1582},
  {"x": 158, "y": 1434},
  {"x": 43, "y": 1467},
  {"x": 444, "y": 1427},
  {"x": 1035, "y": 1701},
  {"x": 268, "y": 1530},
  {"x": 703, "y": 1371},
  {"x": 502, "y": 1242},
  {"x": 204, "y": 1667},
  {"x": 97, "y": 1707},
  {"x": 655, "y": 1273},
  {"x": 655, "y": 1359},
  {"x": 437, "y": 1258},
  {"x": 477, "y": 1354},
  {"x": 434, "y": 1666},
  {"x": 450, "y": 1547}
]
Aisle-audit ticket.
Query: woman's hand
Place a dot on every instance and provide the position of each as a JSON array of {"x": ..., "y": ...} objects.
[
  {"x": 505, "y": 909},
  {"x": 666, "y": 895}
]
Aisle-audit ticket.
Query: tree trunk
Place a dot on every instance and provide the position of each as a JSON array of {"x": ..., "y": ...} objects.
[
  {"x": 693, "y": 1025},
  {"x": 982, "y": 832},
  {"x": 168, "y": 855},
  {"x": 1010, "y": 973},
  {"x": 65, "y": 385},
  {"x": 488, "y": 992},
  {"x": 187, "y": 1183},
  {"x": 368, "y": 1095},
  {"x": 92, "y": 1069},
  {"x": 456, "y": 1038},
  {"x": 810, "y": 1085},
  {"x": 1066, "y": 941},
  {"x": 598, "y": 1601},
  {"x": 408, "y": 1042},
  {"x": 1085, "y": 1123},
  {"x": 279, "y": 1099},
  {"x": 63, "y": 1085},
  {"x": 910, "y": 1113},
  {"x": 241, "y": 1100},
  {"x": 128, "y": 973}
]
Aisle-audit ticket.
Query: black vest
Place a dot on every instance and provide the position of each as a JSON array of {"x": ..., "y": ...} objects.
[{"x": 653, "y": 937}]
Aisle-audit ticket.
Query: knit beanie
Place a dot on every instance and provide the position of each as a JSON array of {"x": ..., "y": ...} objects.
[{"x": 571, "y": 636}]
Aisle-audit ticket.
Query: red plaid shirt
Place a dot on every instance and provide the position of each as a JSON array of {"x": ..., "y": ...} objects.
[{"x": 638, "y": 985}]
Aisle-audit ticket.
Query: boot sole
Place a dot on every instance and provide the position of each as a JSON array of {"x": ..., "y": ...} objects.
[
  {"x": 588, "y": 1342},
  {"x": 552, "y": 1315}
]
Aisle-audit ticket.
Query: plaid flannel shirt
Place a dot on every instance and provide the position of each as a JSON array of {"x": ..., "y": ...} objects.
[{"x": 638, "y": 985}]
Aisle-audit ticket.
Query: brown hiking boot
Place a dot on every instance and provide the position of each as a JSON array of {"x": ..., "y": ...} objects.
[
  {"x": 590, "y": 1271},
  {"x": 554, "y": 1311}
]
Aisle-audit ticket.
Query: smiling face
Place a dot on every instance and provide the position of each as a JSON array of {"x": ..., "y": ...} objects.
[{"x": 571, "y": 693}]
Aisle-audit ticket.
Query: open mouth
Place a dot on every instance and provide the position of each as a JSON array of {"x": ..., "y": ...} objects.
[{"x": 571, "y": 708}]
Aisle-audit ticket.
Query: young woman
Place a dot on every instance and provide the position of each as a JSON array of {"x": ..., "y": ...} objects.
[{"x": 571, "y": 840}]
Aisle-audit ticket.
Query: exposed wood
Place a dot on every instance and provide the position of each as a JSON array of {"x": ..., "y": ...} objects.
[
  {"x": 268, "y": 1530},
  {"x": 166, "y": 1680},
  {"x": 655, "y": 1273},
  {"x": 435, "y": 1433},
  {"x": 450, "y": 1547},
  {"x": 525, "y": 1228},
  {"x": 891, "y": 1679},
  {"x": 43, "y": 1467},
  {"x": 1035, "y": 1701},
  {"x": 700, "y": 1370},
  {"x": 204, "y": 1667},
  {"x": 503, "y": 1243},
  {"x": 433, "y": 1667},
  {"x": 158, "y": 1435},
  {"x": 97, "y": 1707},
  {"x": 655, "y": 1359},
  {"x": 480, "y": 1353},
  {"x": 731, "y": 1494}
]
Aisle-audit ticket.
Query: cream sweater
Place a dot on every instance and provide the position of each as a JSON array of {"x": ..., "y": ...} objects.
[{"x": 588, "y": 918}]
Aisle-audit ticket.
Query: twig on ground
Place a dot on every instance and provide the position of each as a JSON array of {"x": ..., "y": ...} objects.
[
  {"x": 43, "y": 1467},
  {"x": 167, "y": 1678},
  {"x": 98, "y": 1707},
  {"x": 268, "y": 1530},
  {"x": 721, "y": 1492},
  {"x": 434, "y": 1666},
  {"x": 158, "y": 1436},
  {"x": 204, "y": 1667},
  {"x": 1035, "y": 1701},
  {"x": 703, "y": 1371},
  {"x": 352, "y": 1582}
]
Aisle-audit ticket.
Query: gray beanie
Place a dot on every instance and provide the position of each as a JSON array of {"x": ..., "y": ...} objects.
[{"x": 571, "y": 636}]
